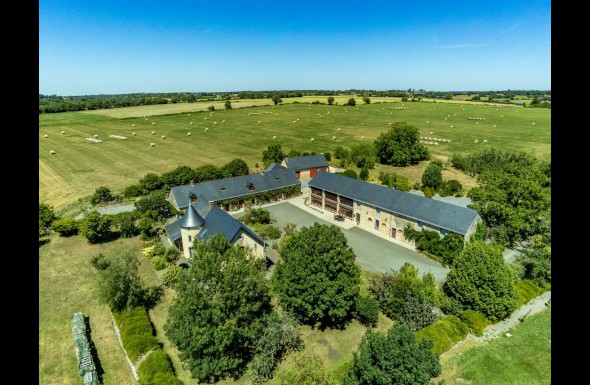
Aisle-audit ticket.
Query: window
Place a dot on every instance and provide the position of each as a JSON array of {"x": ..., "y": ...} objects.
[
  {"x": 190, "y": 239},
  {"x": 251, "y": 187},
  {"x": 190, "y": 252},
  {"x": 193, "y": 198},
  {"x": 223, "y": 189},
  {"x": 255, "y": 246}
]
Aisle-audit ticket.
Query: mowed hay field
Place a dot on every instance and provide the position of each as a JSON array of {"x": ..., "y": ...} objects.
[{"x": 78, "y": 166}]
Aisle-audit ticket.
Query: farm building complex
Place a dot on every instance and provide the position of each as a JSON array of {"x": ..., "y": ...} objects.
[
  {"x": 306, "y": 166},
  {"x": 387, "y": 210}
]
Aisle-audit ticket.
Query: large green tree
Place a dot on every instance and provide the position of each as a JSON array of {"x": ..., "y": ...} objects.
[
  {"x": 102, "y": 195},
  {"x": 94, "y": 226},
  {"x": 154, "y": 206},
  {"x": 273, "y": 153},
  {"x": 514, "y": 200},
  {"x": 393, "y": 358},
  {"x": 276, "y": 99},
  {"x": 219, "y": 310},
  {"x": 46, "y": 217},
  {"x": 330, "y": 100},
  {"x": 120, "y": 284},
  {"x": 363, "y": 155},
  {"x": 180, "y": 176},
  {"x": 235, "y": 167},
  {"x": 400, "y": 145},
  {"x": 432, "y": 176},
  {"x": 480, "y": 280},
  {"x": 316, "y": 278}
]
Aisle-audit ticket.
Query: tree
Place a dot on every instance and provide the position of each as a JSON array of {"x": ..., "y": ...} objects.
[
  {"x": 155, "y": 206},
  {"x": 276, "y": 99},
  {"x": 235, "y": 167},
  {"x": 211, "y": 108},
  {"x": 481, "y": 280},
  {"x": 220, "y": 309},
  {"x": 273, "y": 153},
  {"x": 432, "y": 176},
  {"x": 316, "y": 278},
  {"x": 393, "y": 358},
  {"x": 125, "y": 222},
  {"x": 94, "y": 227},
  {"x": 364, "y": 174},
  {"x": 208, "y": 172},
  {"x": 120, "y": 285},
  {"x": 46, "y": 217},
  {"x": 363, "y": 155},
  {"x": 351, "y": 102},
  {"x": 400, "y": 145},
  {"x": 448, "y": 96},
  {"x": 308, "y": 369},
  {"x": 330, "y": 100},
  {"x": 150, "y": 182},
  {"x": 404, "y": 99},
  {"x": 535, "y": 259},
  {"x": 391, "y": 289},
  {"x": 228, "y": 105},
  {"x": 180, "y": 176},
  {"x": 65, "y": 226},
  {"x": 101, "y": 194},
  {"x": 417, "y": 314},
  {"x": 256, "y": 215},
  {"x": 514, "y": 200},
  {"x": 367, "y": 100},
  {"x": 281, "y": 337}
]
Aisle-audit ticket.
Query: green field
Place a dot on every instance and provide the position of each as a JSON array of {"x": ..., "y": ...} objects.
[
  {"x": 78, "y": 167},
  {"x": 524, "y": 358}
]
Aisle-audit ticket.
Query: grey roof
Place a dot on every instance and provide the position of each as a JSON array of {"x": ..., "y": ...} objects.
[
  {"x": 228, "y": 188},
  {"x": 191, "y": 218},
  {"x": 173, "y": 231},
  {"x": 306, "y": 162},
  {"x": 273, "y": 166},
  {"x": 219, "y": 221},
  {"x": 432, "y": 212}
]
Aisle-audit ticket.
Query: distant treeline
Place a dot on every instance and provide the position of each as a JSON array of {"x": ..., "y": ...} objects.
[{"x": 55, "y": 103}]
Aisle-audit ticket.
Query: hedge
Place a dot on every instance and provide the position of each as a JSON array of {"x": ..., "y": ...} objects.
[
  {"x": 476, "y": 321},
  {"x": 157, "y": 369},
  {"x": 527, "y": 290},
  {"x": 137, "y": 333},
  {"x": 444, "y": 333}
]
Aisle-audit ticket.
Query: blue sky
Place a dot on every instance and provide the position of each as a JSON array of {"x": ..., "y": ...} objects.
[{"x": 111, "y": 47}]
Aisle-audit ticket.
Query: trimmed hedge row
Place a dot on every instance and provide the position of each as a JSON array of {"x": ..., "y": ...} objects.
[
  {"x": 527, "y": 290},
  {"x": 157, "y": 369},
  {"x": 476, "y": 321},
  {"x": 137, "y": 333},
  {"x": 444, "y": 333}
]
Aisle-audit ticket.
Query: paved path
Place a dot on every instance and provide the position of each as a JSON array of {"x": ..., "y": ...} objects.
[
  {"x": 114, "y": 209},
  {"x": 373, "y": 252}
]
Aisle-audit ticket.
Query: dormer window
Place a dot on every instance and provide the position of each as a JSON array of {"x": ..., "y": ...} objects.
[
  {"x": 223, "y": 189},
  {"x": 251, "y": 187},
  {"x": 193, "y": 198},
  {"x": 277, "y": 178}
]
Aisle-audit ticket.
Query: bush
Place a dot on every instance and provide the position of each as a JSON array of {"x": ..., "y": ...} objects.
[
  {"x": 417, "y": 314},
  {"x": 172, "y": 254},
  {"x": 99, "y": 262},
  {"x": 450, "y": 187},
  {"x": 158, "y": 250},
  {"x": 349, "y": 173},
  {"x": 65, "y": 226},
  {"x": 136, "y": 331},
  {"x": 159, "y": 263},
  {"x": 476, "y": 321},
  {"x": 328, "y": 156},
  {"x": 259, "y": 215},
  {"x": 428, "y": 192},
  {"x": 132, "y": 191},
  {"x": 527, "y": 290},
  {"x": 367, "y": 311},
  {"x": 101, "y": 195},
  {"x": 451, "y": 306},
  {"x": 444, "y": 333},
  {"x": 172, "y": 276},
  {"x": 157, "y": 369}
]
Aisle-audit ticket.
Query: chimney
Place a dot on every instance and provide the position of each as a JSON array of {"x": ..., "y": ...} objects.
[{"x": 192, "y": 182}]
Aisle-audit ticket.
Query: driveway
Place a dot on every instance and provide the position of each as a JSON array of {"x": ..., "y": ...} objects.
[
  {"x": 373, "y": 253},
  {"x": 112, "y": 209}
]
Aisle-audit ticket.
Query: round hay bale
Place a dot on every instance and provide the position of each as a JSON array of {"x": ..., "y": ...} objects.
[
  {"x": 63, "y": 132},
  {"x": 51, "y": 152},
  {"x": 223, "y": 121},
  {"x": 485, "y": 140},
  {"x": 206, "y": 129},
  {"x": 96, "y": 136},
  {"x": 135, "y": 134},
  {"x": 146, "y": 119},
  {"x": 333, "y": 138},
  {"x": 191, "y": 123},
  {"x": 153, "y": 144},
  {"x": 188, "y": 134},
  {"x": 205, "y": 118},
  {"x": 45, "y": 136},
  {"x": 475, "y": 140},
  {"x": 133, "y": 125},
  {"x": 153, "y": 132},
  {"x": 163, "y": 136},
  {"x": 312, "y": 139}
]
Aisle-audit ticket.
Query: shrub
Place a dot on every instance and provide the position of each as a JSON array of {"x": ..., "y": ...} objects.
[
  {"x": 527, "y": 290},
  {"x": 65, "y": 226},
  {"x": 132, "y": 191},
  {"x": 172, "y": 276},
  {"x": 476, "y": 321},
  {"x": 158, "y": 250},
  {"x": 417, "y": 314},
  {"x": 101, "y": 195},
  {"x": 328, "y": 156},
  {"x": 159, "y": 263},
  {"x": 136, "y": 331},
  {"x": 349, "y": 173},
  {"x": 367, "y": 311},
  {"x": 99, "y": 262},
  {"x": 259, "y": 215},
  {"x": 451, "y": 306},
  {"x": 428, "y": 192},
  {"x": 444, "y": 333},
  {"x": 172, "y": 254},
  {"x": 157, "y": 369}
]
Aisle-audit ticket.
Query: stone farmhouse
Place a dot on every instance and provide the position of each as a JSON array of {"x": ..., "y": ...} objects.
[
  {"x": 306, "y": 166},
  {"x": 387, "y": 210}
]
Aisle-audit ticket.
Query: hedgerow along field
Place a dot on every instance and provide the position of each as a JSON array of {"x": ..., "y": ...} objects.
[{"x": 78, "y": 166}]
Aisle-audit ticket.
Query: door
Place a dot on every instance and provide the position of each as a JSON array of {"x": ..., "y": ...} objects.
[
  {"x": 312, "y": 173},
  {"x": 358, "y": 218},
  {"x": 298, "y": 174},
  {"x": 376, "y": 224},
  {"x": 393, "y": 233}
]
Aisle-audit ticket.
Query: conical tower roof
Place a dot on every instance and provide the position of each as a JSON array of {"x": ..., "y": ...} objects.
[{"x": 191, "y": 218}]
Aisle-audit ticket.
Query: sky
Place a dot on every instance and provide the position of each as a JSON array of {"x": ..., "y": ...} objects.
[{"x": 127, "y": 46}]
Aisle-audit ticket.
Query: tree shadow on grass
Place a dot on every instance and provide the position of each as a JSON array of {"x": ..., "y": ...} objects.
[
  {"x": 93, "y": 352},
  {"x": 44, "y": 241}
]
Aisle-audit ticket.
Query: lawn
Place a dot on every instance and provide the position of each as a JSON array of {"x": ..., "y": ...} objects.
[
  {"x": 78, "y": 167},
  {"x": 524, "y": 358}
]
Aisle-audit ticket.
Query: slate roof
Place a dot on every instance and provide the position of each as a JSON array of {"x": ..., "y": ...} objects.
[
  {"x": 173, "y": 231},
  {"x": 298, "y": 163},
  {"x": 273, "y": 166},
  {"x": 219, "y": 221},
  {"x": 432, "y": 212},
  {"x": 228, "y": 188},
  {"x": 191, "y": 218}
]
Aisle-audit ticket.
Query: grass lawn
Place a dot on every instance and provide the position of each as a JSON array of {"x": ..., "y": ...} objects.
[
  {"x": 524, "y": 358},
  {"x": 78, "y": 167}
]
